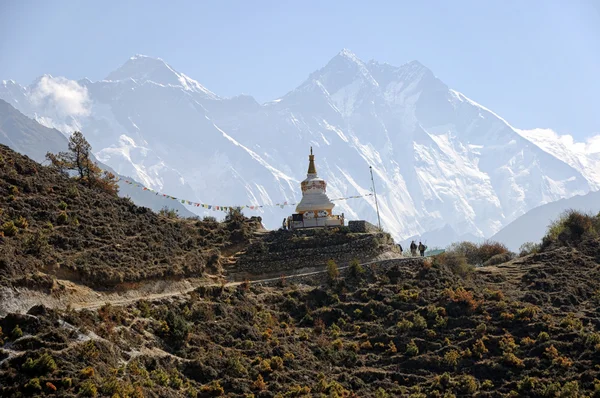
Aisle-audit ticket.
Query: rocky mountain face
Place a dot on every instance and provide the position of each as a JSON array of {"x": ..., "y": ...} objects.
[{"x": 441, "y": 161}]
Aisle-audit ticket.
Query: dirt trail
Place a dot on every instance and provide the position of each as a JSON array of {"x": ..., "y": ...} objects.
[
  {"x": 82, "y": 297},
  {"x": 508, "y": 275}
]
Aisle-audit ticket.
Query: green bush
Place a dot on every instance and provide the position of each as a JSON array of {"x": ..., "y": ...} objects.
[
  {"x": 571, "y": 227},
  {"x": 16, "y": 333},
  {"x": 62, "y": 205},
  {"x": 178, "y": 328},
  {"x": 35, "y": 244},
  {"x": 41, "y": 365},
  {"x": 9, "y": 228},
  {"x": 412, "y": 349},
  {"x": 356, "y": 270},
  {"x": 88, "y": 389},
  {"x": 332, "y": 270},
  {"x": 457, "y": 254},
  {"x": 457, "y": 263},
  {"x": 33, "y": 385}
]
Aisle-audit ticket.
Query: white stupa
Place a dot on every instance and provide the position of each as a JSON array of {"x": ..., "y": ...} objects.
[{"x": 315, "y": 208}]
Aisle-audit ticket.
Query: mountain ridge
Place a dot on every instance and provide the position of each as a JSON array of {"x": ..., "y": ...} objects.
[{"x": 439, "y": 157}]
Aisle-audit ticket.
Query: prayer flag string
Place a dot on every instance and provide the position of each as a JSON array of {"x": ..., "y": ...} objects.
[{"x": 223, "y": 208}]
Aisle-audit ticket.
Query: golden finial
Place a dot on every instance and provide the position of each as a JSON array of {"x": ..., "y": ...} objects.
[{"x": 311, "y": 163}]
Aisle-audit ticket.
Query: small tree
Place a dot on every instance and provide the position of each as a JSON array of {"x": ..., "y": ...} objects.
[
  {"x": 332, "y": 270},
  {"x": 78, "y": 158}
]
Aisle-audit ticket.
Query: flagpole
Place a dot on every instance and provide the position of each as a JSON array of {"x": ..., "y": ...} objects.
[{"x": 375, "y": 193}]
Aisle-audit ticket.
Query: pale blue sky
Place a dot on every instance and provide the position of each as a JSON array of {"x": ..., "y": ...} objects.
[{"x": 536, "y": 63}]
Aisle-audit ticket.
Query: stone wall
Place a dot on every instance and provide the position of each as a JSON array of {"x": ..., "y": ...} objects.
[
  {"x": 362, "y": 226},
  {"x": 303, "y": 251}
]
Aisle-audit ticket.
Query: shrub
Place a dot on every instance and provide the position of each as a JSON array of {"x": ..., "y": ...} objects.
[
  {"x": 88, "y": 389},
  {"x": 259, "y": 384},
  {"x": 9, "y": 228},
  {"x": 41, "y": 365},
  {"x": 178, "y": 328},
  {"x": 404, "y": 325},
  {"x": 160, "y": 377},
  {"x": 570, "y": 228},
  {"x": 366, "y": 345},
  {"x": 338, "y": 344},
  {"x": 169, "y": 213},
  {"x": 467, "y": 250},
  {"x": 528, "y": 248},
  {"x": 499, "y": 259},
  {"x": 87, "y": 372},
  {"x": 511, "y": 359},
  {"x": 419, "y": 322},
  {"x": 412, "y": 349},
  {"x": 392, "y": 347},
  {"x": 73, "y": 192},
  {"x": 507, "y": 343},
  {"x": 571, "y": 322},
  {"x": 356, "y": 270},
  {"x": 455, "y": 261},
  {"x": 62, "y": 218},
  {"x": 479, "y": 348},
  {"x": 468, "y": 384},
  {"x": 543, "y": 336},
  {"x": 22, "y": 222},
  {"x": 62, "y": 205},
  {"x": 35, "y": 244},
  {"x": 33, "y": 385},
  {"x": 451, "y": 358},
  {"x": 332, "y": 270},
  {"x": 277, "y": 363},
  {"x": 462, "y": 297},
  {"x": 489, "y": 249},
  {"x": 16, "y": 333}
]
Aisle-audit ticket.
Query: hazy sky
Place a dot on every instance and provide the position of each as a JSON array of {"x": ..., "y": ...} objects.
[{"x": 535, "y": 63}]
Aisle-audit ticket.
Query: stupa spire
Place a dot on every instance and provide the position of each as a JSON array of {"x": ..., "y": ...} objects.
[{"x": 311, "y": 163}]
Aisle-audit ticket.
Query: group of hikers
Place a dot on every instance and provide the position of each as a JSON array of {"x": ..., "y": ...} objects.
[{"x": 414, "y": 247}]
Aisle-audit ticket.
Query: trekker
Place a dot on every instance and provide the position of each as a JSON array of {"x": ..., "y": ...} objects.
[
  {"x": 400, "y": 247},
  {"x": 413, "y": 249},
  {"x": 422, "y": 249},
  {"x": 284, "y": 224}
]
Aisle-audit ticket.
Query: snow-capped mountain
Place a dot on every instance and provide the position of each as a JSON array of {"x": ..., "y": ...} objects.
[
  {"x": 30, "y": 138},
  {"x": 440, "y": 159}
]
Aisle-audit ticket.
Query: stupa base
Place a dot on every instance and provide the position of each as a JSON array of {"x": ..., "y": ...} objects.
[{"x": 320, "y": 222}]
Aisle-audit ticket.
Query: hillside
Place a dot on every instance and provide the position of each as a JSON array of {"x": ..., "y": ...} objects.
[
  {"x": 53, "y": 226},
  {"x": 532, "y": 226},
  {"x": 409, "y": 329},
  {"x": 441, "y": 160},
  {"x": 32, "y": 139}
]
